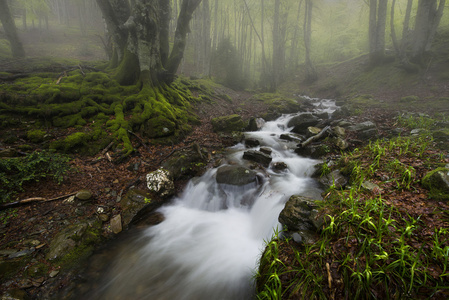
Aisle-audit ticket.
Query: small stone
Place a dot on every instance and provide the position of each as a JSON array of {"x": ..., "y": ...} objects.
[
  {"x": 54, "y": 273},
  {"x": 115, "y": 181},
  {"x": 103, "y": 217},
  {"x": 280, "y": 166},
  {"x": 84, "y": 195},
  {"x": 22, "y": 253},
  {"x": 116, "y": 224},
  {"x": 71, "y": 199}
]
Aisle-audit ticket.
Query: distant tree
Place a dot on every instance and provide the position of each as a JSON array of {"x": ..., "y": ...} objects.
[
  {"x": 428, "y": 18},
  {"x": 311, "y": 74},
  {"x": 10, "y": 29},
  {"x": 140, "y": 32},
  {"x": 226, "y": 65},
  {"x": 377, "y": 25}
]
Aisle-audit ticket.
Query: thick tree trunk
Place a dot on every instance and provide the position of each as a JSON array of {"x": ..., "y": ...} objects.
[
  {"x": 428, "y": 18},
  {"x": 10, "y": 30}
]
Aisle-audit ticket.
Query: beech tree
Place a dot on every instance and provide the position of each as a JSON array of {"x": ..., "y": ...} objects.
[
  {"x": 428, "y": 18},
  {"x": 10, "y": 29},
  {"x": 140, "y": 32},
  {"x": 377, "y": 24}
]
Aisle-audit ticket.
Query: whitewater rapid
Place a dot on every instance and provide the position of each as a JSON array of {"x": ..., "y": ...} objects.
[{"x": 213, "y": 235}]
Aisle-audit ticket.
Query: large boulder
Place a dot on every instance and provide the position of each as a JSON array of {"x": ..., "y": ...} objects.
[
  {"x": 235, "y": 175},
  {"x": 255, "y": 124},
  {"x": 137, "y": 204},
  {"x": 437, "y": 182},
  {"x": 301, "y": 220},
  {"x": 301, "y": 122},
  {"x": 258, "y": 157},
  {"x": 228, "y": 123},
  {"x": 161, "y": 183},
  {"x": 187, "y": 162},
  {"x": 300, "y": 213}
]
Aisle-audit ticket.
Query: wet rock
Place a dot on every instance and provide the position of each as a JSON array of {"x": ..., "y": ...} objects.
[
  {"x": 437, "y": 182},
  {"x": 116, "y": 224},
  {"x": 297, "y": 214},
  {"x": 313, "y": 151},
  {"x": 83, "y": 195},
  {"x": 161, "y": 183},
  {"x": 334, "y": 178},
  {"x": 266, "y": 150},
  {"x": 280, "y": 166},
  {"x": 255, "y": 124},
  {"x": 258, "y": 157},
  {"x": 300, "y": 218},
  {"x": 135, "y": 204},
  {"x": 291, "y": 137},
  {"x": 251, "y": 143},
  {"x": 362, "y": 126},
  {"x": 186, "y": 162},
  {"x": 228, "y": 123},
  {"x": 301, "y": 122},
  {"x": 235, "y": 175}
]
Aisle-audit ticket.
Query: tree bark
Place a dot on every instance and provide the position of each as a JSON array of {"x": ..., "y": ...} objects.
[
  {"x": 377, "y": 25},
  {"x": 427, "y": 21},
  {"x": 10, "y": 30},
  {"x": 140, "y": 30},
  {"x": 182, "y": 28}
]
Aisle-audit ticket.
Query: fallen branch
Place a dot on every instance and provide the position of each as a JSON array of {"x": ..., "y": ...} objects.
[
  {"x": 315, "y": 137},
  {"x": 32, "y": 200}
]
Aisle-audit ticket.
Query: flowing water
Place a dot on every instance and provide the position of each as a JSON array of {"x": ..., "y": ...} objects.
[{"x": 209, "y": 244}]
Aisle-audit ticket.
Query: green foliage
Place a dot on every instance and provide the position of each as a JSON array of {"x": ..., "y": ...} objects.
[{"x": 16, "y": 172}]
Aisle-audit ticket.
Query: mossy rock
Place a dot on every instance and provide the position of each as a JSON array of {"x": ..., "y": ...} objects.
[
  {"x": 36, "y": 135},
  {"x": 228, "y": 123},
  {"x": 71, "y": 143},
  {"x": 441, "y": 137},
  {"x": 408, "y": 99},
  {"x": 437, "y": 182}
]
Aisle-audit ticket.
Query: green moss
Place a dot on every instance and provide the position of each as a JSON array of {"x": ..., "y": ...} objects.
[
  {"x": 228, "y": 123},
  {"x": 72, "y": 142},
  {"x": 408, "y": 99},
  {"x": 84, "y": 249},
  {"x": 69, "y": 121},
  {"x": 36, "y": 135}
]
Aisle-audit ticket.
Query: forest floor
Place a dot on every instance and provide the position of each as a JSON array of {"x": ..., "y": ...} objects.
[{"x": 107, "y": 180}]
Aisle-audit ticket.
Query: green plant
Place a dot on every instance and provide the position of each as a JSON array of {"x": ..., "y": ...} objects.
[{"x": 16, "y": 172}]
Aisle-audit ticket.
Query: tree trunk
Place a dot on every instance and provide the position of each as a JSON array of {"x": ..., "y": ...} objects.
[
  {"x": 428, "y": 18},
  {"x": 10, "y": 30},
  {"x": 182, "y": 28},
  {"x": 377, "y": 25},
  {"x": 311, "y": 74},
  {"x": 276, "y": 42}
]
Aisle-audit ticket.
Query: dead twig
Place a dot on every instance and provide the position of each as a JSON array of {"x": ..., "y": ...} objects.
[
  {"x": 315, "y": 137},
  {"x": 32, "y": 200}
]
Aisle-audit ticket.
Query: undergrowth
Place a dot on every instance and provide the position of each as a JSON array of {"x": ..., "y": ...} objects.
[
  {"x": 18, "y": 171},
  {"x": 390, "y": 242}
]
